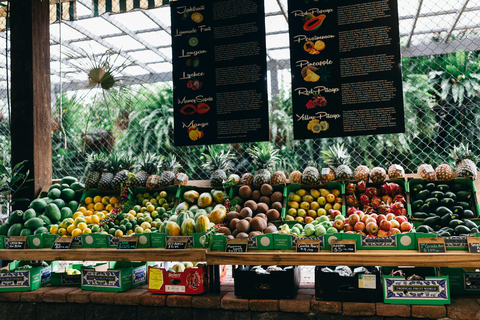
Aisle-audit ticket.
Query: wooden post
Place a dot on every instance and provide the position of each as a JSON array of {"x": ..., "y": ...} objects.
[{"x": 30, "y": 91}]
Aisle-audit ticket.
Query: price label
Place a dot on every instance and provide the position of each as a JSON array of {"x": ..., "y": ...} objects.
[
  {"x": 237, "y": 245},
  {"x": 431, "y": 245},
  {"x": 17, "y": 242},
  {"x": 344, "y": 245},
  {"x": 177, "y": 244},
  {"x": 127, "y": 243},
  {"x": 308, "y": 245},
  {"x": 62, "y": 243},
  {"x": 473, "y": 244},
  {"x": 325, "y": 172}
]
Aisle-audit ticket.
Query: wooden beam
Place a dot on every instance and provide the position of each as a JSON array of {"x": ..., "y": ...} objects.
[{"x": 30, "y": 91}]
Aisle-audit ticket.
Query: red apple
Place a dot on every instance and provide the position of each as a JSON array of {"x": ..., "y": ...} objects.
[
  {"x": 382, "y": 233},
  {"x": 364, "y": 218},
  {"x": 338, "y": 224},
  {"x": 361, "y": 214},
  {"x": 370, "y": 220},
  {"x": 362, "y": 233},
  {"x": 351, "y": 210},
  {"x": 359, "y": 226},
  {"x": 380, "y": 217},
  {"x": 393, "y": 231},
  {"x": 385, "y": 225},
  {"x": 390, "y": 216},
  {"x": 351, "y": 232},
  {"x": 395, "y": 224},
  {"x": 347, "y": 227},
  {"x": 371, "y": 235},
  {"x": 372, "y": 227},
  {"x": 374, "y": 215},
  {"x": 354, "y": 218},
  {"x": 406, "y": 227},
  {"x": 401, "y": 219}
]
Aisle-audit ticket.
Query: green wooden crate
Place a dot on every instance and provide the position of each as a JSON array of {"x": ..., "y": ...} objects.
[
  {"x": 13, "y": 279},
  {"x": 61, "y": 278}
]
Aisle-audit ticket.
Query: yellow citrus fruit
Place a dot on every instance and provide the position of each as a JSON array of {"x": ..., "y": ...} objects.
[
  {"x": 129, "y": 232},
  {"x": 119, "y": 233},
  {"x": 113, "y": 200},
  {"x": 154, "y": 213},
  {"x": 70, "y": 220},
  {"x": 82, "y": 226},
  {"x": 150, "y": 208},
  {"x": 104, "y": 232},
  {"x": 82, "y": 209},
  {"x": 88, "y": 200},
  {"x": 88, "y": 213},
  {"x": 146, "y": 225},
  {"x": 147, "y": 231},
  {"x": 130, "y": 217},
  {"x": 144, "y": 202},
  {"x": 53, "y": 229},
  {"x": 90, "y": 206},
  {"x": 76, "y": 232},
  {"x": 197, "y": 17},
  {"x": 79, "y": 220},
  {"x": 101, "y": 215},
  {"x": 62, "y": 232},
  {"x": 138, "y": 230},
  {"x": 108, "y": 207},
  {"x": 97, "y": 199},
  {"x": 88, "y": 219},
  {"x": 87, "y": 231},
  {"x": 106, "y": 200},
  {"x": 152, "y": 201},
  {"x": 95, "y": 219},
  {"x": 99, "y": 206},
  {"x": 139, "y": 215},
  {"x": 77, "y": 214},
  {"x": 70, "y": 228}
]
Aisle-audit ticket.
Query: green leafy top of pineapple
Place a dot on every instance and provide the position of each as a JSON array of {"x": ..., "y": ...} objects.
[
  {"x": 263, "y": 156},
  {"x": 217, "y": 159},
  {"x": 462, "y": 152},
  {"x": 336, "y": 155},
  {"x": 126, "y": 163},
  {"x": 96, "y": 162},
  {"x": 148, "y": 163},
  {"x": 170, "y": 163},
  {"x": 112, "y": 163}
]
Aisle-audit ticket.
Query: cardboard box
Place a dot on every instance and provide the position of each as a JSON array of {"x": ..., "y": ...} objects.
[
  {"x": 101, "y": 278},
  {"x": 191, "y": 281},
  {"x": 275, "y": 285},
  {"x": 14, "y": 279},
  {"x": 361, "y": 287},
  {"x": 462, "y": 280},
  {"x": 433, "y": 290},
  {"x": 61, "y": 278}
]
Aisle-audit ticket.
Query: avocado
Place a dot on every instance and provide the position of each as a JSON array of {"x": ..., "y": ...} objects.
[
  {"x": 468, "y": 214},
  {"x": 417, "y": 188},
  {"x": 437, "y": 194},
  {"x": 454, "y": 223},
  {"x": 443, "y": 233},
  {"x": 451, "y": 195},
  {"x": 457, "y": 209},
  {"x": 430, "y": 186},
  {"x": 423, "y": 195},
  {"x": 464, "y": 196},
  {"x": 462, "y": 229},
  {"x": 447, "y": 202},
  {"x": 470, "y": 224},
  {"x": 424, "y": 208},
  {"x": 431, "y": 221},
  {"x": 432, "y": 202},
  {"x": 464, "y": 204},
  {"x": 445, "y": 219},
  {"x": 442, "y": 187},
  {"x": 417, "y": 204},
  {"x": 456, "y": 187},
  {"x": 443, "y": 210},
  {"x": 419, "y": 215},
  {"x": 422, "y": 229}
]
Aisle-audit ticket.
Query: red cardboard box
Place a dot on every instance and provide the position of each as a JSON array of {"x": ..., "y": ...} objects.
[{"x": 190, "y": 281}]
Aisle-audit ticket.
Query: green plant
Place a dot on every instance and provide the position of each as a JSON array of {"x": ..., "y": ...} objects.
[{"x": 12, "y": 180}]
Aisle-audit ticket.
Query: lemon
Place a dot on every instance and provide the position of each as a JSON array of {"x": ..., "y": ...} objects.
[
  {"x": 62, "y": 232},
  {"x": 130, "y": 217},
  {"x": 139, "y": 215},
  {"x": 138, "y": 230},
  {"x": 70, "y": 220},
  {"x": 148, "y": 231},
  {"x": 95, "y": 219},
  {"x": 54, "y": 229},
  {"x": 76, "y": 232},
  {"x": 99, "y": 206},
  {"x": 118, "y": 233},
  {"x": 144, "y": 202},
  {"x": 79, "y": 220},
  {"x": 145, "y": 225},
  {"x": 106, "y": 200},
  {"x": 87, "y": 231},
  {"x": 97, "y": 199},
  {"x": 82, "y": 209},
  {"x": 64, "y": 224},
  {"x": 132, "y": 212},
  {"x": 129, "y": 232},
  {"x": 163, "y": 194},
  {"x": 88, "y": 213},
  {"x": 101, "y": 215},
  {"x": 70, "y": 228},
  {"x": 143, "y": 209},
  {"x": 88, "y": 220},
  {"x": 77, "y": 214},
  {"x": 88, "y": 200},
  {"x": 82, "y": 226},
  {"x": 150, "y": 207},
  {"x": 153, "y": 201}
]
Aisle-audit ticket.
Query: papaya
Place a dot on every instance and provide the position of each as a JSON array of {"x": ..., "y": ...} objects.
[
  {"x": 66, "y": 212},
  {"x": 41, "y": 230},
  {"x": 203, "y": 224},
  {"x": 183, "y": 206},
  {"x": 162, "y": 227},
  {"x": 218, "y": 214},
  {"x": 314, "y": 23},
  {"x": 199, "y": 213},
  {"x": 218, "y": 196},
  {"x": 54, "y": 193},
  {"x": 26, "y": 232},
  {"x": 68, "y": 180},
  {"x": 15, "y": 217},
  {"x": 59, "y": 202},
  {"x": 172, "y": 229},
  {"x": 4, "y": 229},
  {"x": 34, "y": 223},
  {"x": 38, "y": 205},
  {"x": 191, "y": 196},
  {"x": 188, "y": 227},
  {"x": 205, "y": 200},
  {"x": 45, "y": 219},
  {"x": 14, "y": 230},
  {"x": 182, "y": 216},
  {"x": 68, "y": 194},
  {"x": 53, "y": 212}
]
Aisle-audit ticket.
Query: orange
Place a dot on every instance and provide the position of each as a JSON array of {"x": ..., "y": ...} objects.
[
  {"x": 90, "y": 206},
  {"x": 99, "y": 206},
  {"x": 88, "y": 200},
  {"x": 97, "y": 199},
  {"x": 82, "y": 209},
  {"x": 88, "y": 213},
  {"x": 113, "y": 200}
]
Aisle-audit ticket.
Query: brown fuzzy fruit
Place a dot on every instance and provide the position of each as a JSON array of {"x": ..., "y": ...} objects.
[
  {"x": 248, "y": 219},
  {"x": 254, "y": 234},
  {"x": 262, "y": 208},
  {"x": 258, "y": 224},
  {"x": 224, "y": 230},
  {"x": 245, "y": 192},
  {"x": 251, "y": 204},
  {"x": 235, "y": 232},
  {"x": 243, "y": 226},
  {"x": 270, "y": 224},
  {"x": 277, "y": 196},
  {"x": 242, "y": 235},
  {"x": 239, "y": 208},
  {"x": 233, "y": 223},
  {"x": 270, "y": 229},
  {"x": 261, "y": 215},
  {"x": 230, "y": 237},
  {"x": 231, "y": 215},
  {"x": 277, "y": 206},
  {"x": 256, "y": 195},
  {"x": 265, "y": 200},
  {"x": 266, "y": 190},
  {"x": 273, "y": 215},
  {"x": 246, "y": 212}
]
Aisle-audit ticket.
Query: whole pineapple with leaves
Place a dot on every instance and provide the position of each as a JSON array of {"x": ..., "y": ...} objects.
[
  {"x": 96, "y": 164},
  {"x": 264, "y": 158},
  {"x": 444, "y": 172},
  {"x": 378, "y": 175},
  {"x": 295, "y": 177},
  {"x": 327, "y": 175},
  {"x": 247, "y": 179},
  {"x": 279, "y": 177},
  {"x": 361, "y": 173},
  {"x": 217, "y": 161},
  {"x": 111, "y": 168},
  {"x": 465, "y": 162},
  {"x": 396, "y": 171},
  {"x": 181, "y": 179},
  {"x": 426, "y": 171},
  {"x": 125, "y": 165},
  {"x": 338, "y": 159},
  {"x": 169, "y": 169},
  {"x": 310, "y": 175},
  {"x": 148, "y": 165},
  {"x": 153, "y": 180}
]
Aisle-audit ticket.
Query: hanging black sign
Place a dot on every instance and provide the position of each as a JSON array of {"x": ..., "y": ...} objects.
[
  {"x": 219, "y": 72},
  {"x": 346, "y": 72}
]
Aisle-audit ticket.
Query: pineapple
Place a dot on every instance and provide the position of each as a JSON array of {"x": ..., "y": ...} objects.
[
  {"x": 170, "y": 167},
  {"x": 444, "y": 172},
  {"x": 247, "y": 179},
  {"x": 217, "y": 162},
  {"x": 96, "y": 163},
  {"x": 111, "y": 168},
  {"x": 181, "y": 179},
  {"x": 338, "y": 159},
  {"x": 425, "y": 171},
  {"x": 279, "y": 177},
  {"x": 295, "y": 177},
  {"x": 327, "y": 175},
  {"x": 310, "y": 175},
  {"x": 396, "y": 171},
  {"x": 153, "y": 181},
  {"x": 465, "y": 162},
  {"x": 264, "y": 159},
  {"x": 378, "y": 175},
  {"x": 361, "y": 173},
  {"x": 125, "y": 165},
  {"x": 148, "y": 166}
]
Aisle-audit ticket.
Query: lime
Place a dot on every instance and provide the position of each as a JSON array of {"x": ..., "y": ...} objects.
[
  {"x": 161, "y": 210},
  {"x": 129, "y": 226},
  {"x": 123, "y": 228},
  {"x": 111, "y": 231}
]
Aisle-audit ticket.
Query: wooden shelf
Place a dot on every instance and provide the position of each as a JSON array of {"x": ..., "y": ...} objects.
[
  {"x": 359, "y": 258},
  {"x": 97, "y": 254}
]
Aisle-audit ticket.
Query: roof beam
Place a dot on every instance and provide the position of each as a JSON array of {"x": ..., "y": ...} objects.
[
  {"x": 457, "y": 18},
  {"x": 414, "y": 23}
]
